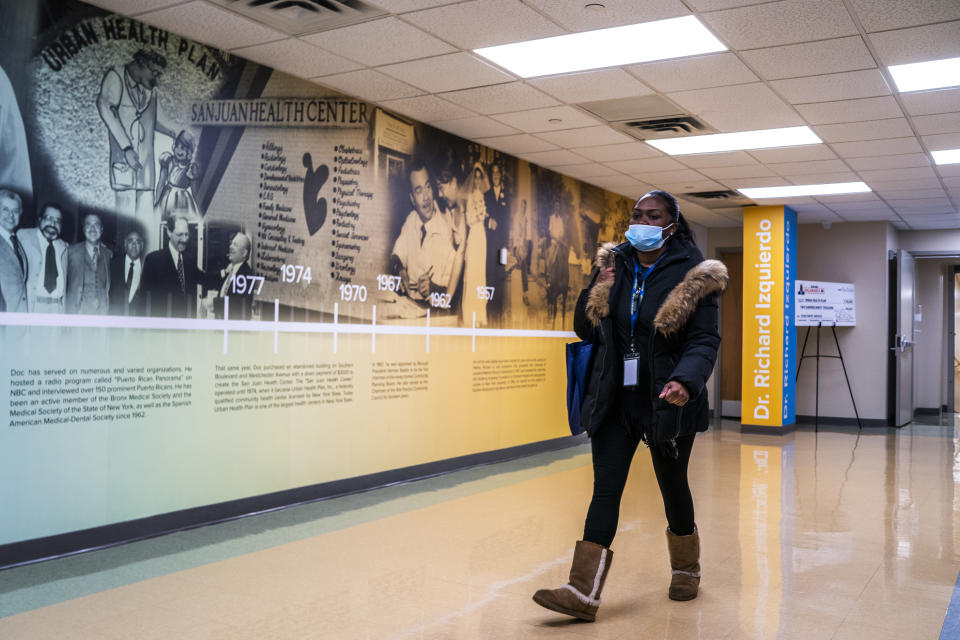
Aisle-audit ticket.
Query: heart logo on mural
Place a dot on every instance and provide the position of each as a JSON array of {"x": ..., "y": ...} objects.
[{"x": 314, "y": 208}]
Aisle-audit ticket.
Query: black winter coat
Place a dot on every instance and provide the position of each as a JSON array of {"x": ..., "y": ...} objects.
[{"x": 678, "y": 318}]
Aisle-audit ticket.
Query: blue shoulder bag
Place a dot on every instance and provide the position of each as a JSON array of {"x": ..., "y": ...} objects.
[{"x": 579, "y": 356}]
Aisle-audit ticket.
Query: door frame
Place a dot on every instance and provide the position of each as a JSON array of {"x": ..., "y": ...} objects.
[
  {"x": 718, "y": 367},
  {"x": 950, "y": 349},
  {"x": 949, "y": 325}
]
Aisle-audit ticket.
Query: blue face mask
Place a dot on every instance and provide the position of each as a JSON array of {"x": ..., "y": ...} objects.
[{"x": 645, "y": 237}]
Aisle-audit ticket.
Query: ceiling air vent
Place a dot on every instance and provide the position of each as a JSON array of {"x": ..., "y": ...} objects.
[
  {"x": 715, "y": 195},
  {"x": 667, "y": 127},
  {"x": 717, "y": 199},
  {"x": 302, "y": 17},
  {"x": 647, "y": 117}
]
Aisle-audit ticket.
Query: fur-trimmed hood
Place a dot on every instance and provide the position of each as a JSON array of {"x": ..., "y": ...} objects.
[{"x": 706, "y": 278}]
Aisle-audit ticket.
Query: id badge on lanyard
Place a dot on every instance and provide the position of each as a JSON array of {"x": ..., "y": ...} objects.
[
  {"x": 631, "y": 360},
  {"x": 631, "y": 369}
]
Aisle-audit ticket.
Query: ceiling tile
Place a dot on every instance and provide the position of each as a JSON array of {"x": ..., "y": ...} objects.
[
  {"x": 803, "y": 168},
  {"x": 918, "y": 44},
  {"x": 940, "y": 123},
  {"x": 499, "y": 98},
  {"x": 731, "y": 159},
  {"x": 369, "y": 85},
  {"x": 697, "y": 186},
  {"x": 798, "y": 204},
  {"x": 557, "y": 157},
  {"x": 881, "y": 15},
  {"x": 928, "y": 203},
  {"x": 380, "y": 42},
  {"x": 907, "y": 209},
  {"x": 853, "y": 199},
  {"x": 731, "y": 173},
  {"x": 584, "y": 137},
  {"x": 882, "y": 175},
  {"x": 717, "y": 5},
  {"x": 908, "y": 194},
  {"x": 834, "y": 86},
  {"x": 447, "y": 73},
  {"x": 645, "y": 165},
  {"x": 869, "y": 130},
  {"x": 811, "y": 58},
  {"x": 427, "y": 108},
  {"x": 880, "y": 214},
  {"x": 476, "y": 127},
  {"x": 589, "y": 170},
  {"x": 923, "y": 103},
  {"x": 742, "y": 107},
  {"x": 769, "y": 181},
  {"x": 523, "y": 143},
  {"x": 844, "y": 207},
  {"x": 536, "y": 120},
  {"x": 405, "y": 6},
  {"x": 606, "y": 84},
  {"x": 668, "y": 177},
  {"x": 850, "y": 110},
  {"x": 700, "y": 72},
  {"x": 877, "y": 147},
  {"x": 930, "y": 182},
  {"x": 822, "y": 178},
  {"x": 211, "y": 25},
  {"x": 573, "y": 15},
  {"x": 803, "y": 153},
  {"x": 890, "y": 162},
  {"x": 940, "y": 141},
  {"x": 484, "y": 23},
  {"x": 133, "y": 7},
  {"x": 779, "y": 23},
  {"x": 297, "y": 58},
  {"x": 627, "y": 151},
  {"x": 948, "y": 169}
]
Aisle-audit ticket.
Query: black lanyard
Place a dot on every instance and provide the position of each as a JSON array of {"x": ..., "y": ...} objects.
[{"x": 639, "y": 288}]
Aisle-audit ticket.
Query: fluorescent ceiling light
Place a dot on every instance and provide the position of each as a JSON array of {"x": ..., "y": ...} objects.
[
  {"x": 659, "y": 40},
  {"x": 833, "y": 189},
  {"x": 947, "y": 156},
  {"x": 716, "y": 142},
  {"x": 926, "y": 75}
]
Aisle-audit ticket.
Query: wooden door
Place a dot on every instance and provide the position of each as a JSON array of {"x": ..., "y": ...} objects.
[{"x": 731, "y": 329}]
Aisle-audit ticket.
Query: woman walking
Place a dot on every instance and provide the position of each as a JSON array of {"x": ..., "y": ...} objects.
[{"x": 651, "y": 312}]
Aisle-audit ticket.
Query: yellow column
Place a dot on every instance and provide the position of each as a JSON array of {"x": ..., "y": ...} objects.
[{"x": 769, "y": 349}]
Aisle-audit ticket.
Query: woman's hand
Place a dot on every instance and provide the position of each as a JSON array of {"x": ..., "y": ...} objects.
[{"x": 675, "y": 393}]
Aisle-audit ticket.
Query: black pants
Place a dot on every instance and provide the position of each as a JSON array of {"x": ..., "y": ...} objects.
[{"x": 613, "y": 448}]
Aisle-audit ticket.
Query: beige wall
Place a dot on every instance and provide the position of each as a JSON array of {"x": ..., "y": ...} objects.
[
  {"x": 856, "y": 253},
  {"x": 942, "y": 240},
  {"x": 847, "y": 252}
]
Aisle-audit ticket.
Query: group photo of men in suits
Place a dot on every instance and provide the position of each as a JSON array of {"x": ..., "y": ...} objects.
[{"x": 40, "y": 272}]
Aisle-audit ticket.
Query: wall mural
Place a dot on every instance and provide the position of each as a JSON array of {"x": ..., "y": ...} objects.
[{"x": 152, "y": 188}]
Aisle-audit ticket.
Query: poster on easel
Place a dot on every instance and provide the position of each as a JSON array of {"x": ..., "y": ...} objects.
[{"x": 826, "y": 303}]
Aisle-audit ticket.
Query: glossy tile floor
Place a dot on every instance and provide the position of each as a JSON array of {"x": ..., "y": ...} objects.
[{"x": 830, "y": 535}]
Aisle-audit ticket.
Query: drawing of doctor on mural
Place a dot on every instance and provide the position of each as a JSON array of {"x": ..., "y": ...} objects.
[{"x": 127, "y": 104}]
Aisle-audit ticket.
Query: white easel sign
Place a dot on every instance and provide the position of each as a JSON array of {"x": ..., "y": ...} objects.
[{"x": 827, "y": 303}]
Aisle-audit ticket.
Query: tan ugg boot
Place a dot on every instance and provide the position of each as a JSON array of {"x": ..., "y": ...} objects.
[
  {"x": 580, "y": 597},
  {"x": 685, "y": 562}
]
